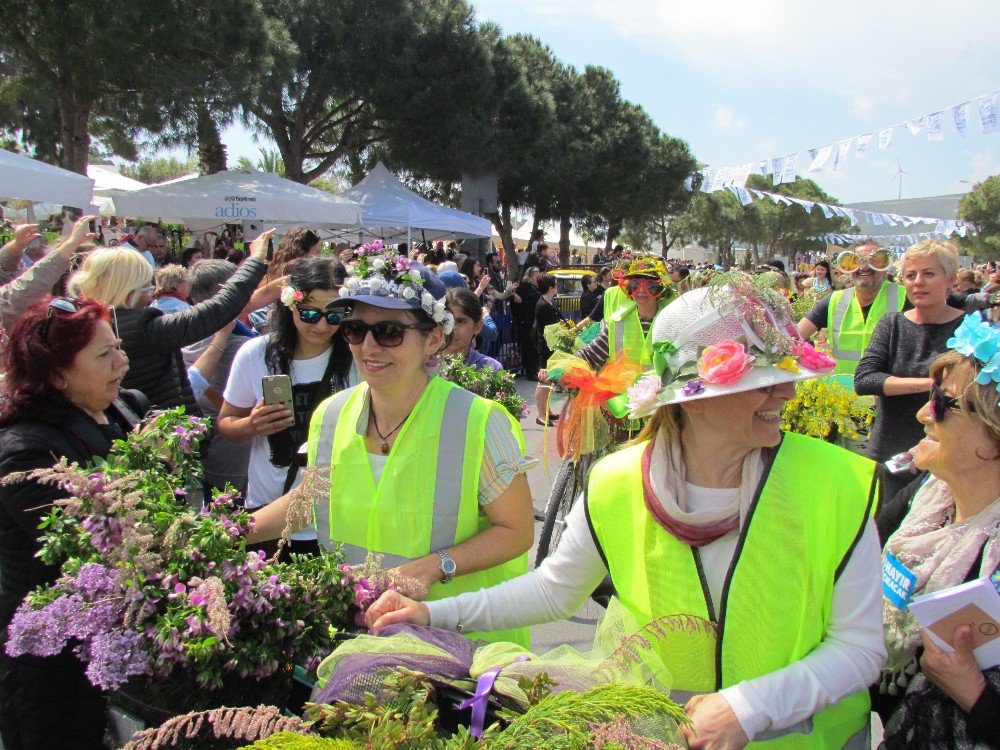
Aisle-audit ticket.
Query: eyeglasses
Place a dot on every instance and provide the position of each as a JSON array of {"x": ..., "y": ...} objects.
[
  {"x": 310, "y": 316},
  {"x": 941, "y": 402},
  {"x": 850, "y": 261},
  {"x": 387, "y": 333},
  {"x": 631, "y": 287},
  {"x": 65, "y": 304}
]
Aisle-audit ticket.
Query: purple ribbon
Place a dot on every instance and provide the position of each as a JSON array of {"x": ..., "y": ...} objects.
[{"x": 478, "y": 702}]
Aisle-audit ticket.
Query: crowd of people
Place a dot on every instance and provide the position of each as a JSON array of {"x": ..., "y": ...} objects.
[{"x": 704, "y": 512}]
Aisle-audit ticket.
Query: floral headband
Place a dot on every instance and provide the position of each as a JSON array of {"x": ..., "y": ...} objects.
[
  {"x": 978, "y": 339},
  {"x": 380, "y": 271},
  {"x": 291, "y": 296}
]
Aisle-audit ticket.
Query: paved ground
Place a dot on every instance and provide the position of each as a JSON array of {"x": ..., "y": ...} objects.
[{"x": 540, "y": 443}]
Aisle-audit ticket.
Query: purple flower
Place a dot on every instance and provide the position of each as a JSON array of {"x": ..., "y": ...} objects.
[
  {"x": 114, "y": 657},
  {"x": 693, "y": 388}
]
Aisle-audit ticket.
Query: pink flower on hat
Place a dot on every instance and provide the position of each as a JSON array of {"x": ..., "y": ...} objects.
[
  {"x": 724, "y": 363},
  {"x": 812, "y": 359}
]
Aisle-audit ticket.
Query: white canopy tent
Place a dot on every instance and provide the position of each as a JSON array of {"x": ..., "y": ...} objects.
[
  {"x": 394, "y": 213},
  {"x": 23, "y": 178},
  {"x": 242, "y": 195}
]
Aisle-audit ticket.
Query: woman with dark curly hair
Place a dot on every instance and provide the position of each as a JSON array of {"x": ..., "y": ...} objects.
[
  {"x": 301, "y": 343},
  {"x": 61, "y": 399},
  {"x": 297, "y": 243}
]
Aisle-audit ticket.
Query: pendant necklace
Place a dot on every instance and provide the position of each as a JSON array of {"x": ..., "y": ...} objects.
[{"x": 385, "y": 445}]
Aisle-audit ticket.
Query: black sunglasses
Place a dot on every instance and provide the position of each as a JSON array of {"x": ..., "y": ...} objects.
[
  {"x": 57, "y": 303},
  {"x": 941, "y": 402},
  {"x": 310, "y": 315},
  {"x": 387, "y": 333}
]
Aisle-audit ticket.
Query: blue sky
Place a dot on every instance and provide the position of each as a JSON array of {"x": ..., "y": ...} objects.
[{"x": 743, "y": 81}]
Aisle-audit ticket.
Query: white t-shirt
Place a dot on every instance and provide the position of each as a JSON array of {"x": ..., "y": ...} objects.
[{"x": 265, "y": 481}]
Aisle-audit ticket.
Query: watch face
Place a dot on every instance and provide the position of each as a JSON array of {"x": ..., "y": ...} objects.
[{"x": 448, "y": 566}]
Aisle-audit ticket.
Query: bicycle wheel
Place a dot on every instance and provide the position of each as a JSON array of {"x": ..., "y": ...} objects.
[{"x": 561, "y": 499}]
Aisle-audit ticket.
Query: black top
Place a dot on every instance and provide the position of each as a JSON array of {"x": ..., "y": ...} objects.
[
  {"x": 899, "y": 347},
  {"x": 32, "y": 445},
  {"x": 589, "y": 302},
  {"x": 524, "y": 311}
]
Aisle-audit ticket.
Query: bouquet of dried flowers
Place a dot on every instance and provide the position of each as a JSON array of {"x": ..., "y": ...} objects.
[
  {"x": 496, "y": 385},
  {"x": 152, "y": 586}
]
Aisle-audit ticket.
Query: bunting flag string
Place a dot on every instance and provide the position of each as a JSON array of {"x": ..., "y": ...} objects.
[
  {"x": 985, "y": 109},
  {"x": 902, "y": 240},
  {"x": 942, "y": 227}
]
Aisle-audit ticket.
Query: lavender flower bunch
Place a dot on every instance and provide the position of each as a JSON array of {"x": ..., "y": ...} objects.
[{"x": 149, "y": 586}]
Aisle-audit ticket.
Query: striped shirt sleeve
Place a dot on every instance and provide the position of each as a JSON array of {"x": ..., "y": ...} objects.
[{"x": 502, "y": 458}]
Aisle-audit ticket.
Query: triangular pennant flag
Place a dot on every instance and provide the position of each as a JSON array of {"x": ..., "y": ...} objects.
[
  {"x": 784, "y": 199},
  {"x": 889, "y": 219},
  {"x": 757, "y": 194},
  {"x": 838, "y": 210},
  {"x": 960, "y": 113},
  {"x": 915, "y": 125},
  {"x": 962, "y": 230},
  {"x": 707, "y": 180},
  {"x": 849, "y": 213},
  {"x": 744, "y": 195},
  {"x": 934, "y": 130},
  {"x": 862, "y": 149},
  {"x": 988, "y": 106},
  {"x": 812, "y": 152},
  {"x": 877, "y": 219},
  {"x": 827, "y": 211},
  {"x": 885, "y": 137},
  {"x": 895, "y": 219},
  {"x": 775, "y": 198},
  {"x": 807, "y": 205},
  {"x": 820, "y": 159},
  {"x": 842, "y": 148},
  {"x": 762, "y": 167}
]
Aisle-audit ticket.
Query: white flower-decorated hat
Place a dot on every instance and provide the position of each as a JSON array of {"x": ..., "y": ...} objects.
[
  {"x": 734, "y": 335},
  {"x": 383, "y": 278}
]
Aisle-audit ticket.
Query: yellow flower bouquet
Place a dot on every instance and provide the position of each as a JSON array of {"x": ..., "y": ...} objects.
[{"x": 824, "y": 409}]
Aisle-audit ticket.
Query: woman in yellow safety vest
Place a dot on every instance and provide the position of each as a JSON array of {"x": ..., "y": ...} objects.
[
  {"x": 714, "y": 515},
  {"x": 425, "y": 476}
]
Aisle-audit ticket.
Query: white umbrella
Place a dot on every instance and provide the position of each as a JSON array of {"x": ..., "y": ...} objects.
[
  {"x": 243, "y": 195},
  {"x": 28, "y": 179},
  {"x": 109, "y": 178}
]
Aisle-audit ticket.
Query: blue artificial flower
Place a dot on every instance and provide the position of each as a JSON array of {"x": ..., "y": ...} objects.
[{"x": 975, "y": 337}]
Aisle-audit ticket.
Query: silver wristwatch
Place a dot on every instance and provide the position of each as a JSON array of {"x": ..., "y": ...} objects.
[{"x": 448, "y": 566}]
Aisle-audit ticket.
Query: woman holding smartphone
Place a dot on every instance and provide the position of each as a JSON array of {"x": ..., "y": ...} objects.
[{"x": 301, "y": 346}]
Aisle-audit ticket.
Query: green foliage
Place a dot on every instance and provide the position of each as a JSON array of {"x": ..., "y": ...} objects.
[
  {"x": 822, "y": 405},
  {"x": 784, "y": 230},
  {"x": 152, "y": 170},
  {"x": 982, "y": 207},
  {"x": 294, "y": 741},
  {"x": 486, "y": 382}
]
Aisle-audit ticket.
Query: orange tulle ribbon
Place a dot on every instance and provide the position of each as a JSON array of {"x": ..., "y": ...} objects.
[{"x": 583, "y": 429}]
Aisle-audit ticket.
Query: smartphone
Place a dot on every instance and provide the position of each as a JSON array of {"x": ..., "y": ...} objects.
[
  {"x": 270, "y": 251},
  {"x": 92, "y": 225},
  {"x": 278, "y": 390}
]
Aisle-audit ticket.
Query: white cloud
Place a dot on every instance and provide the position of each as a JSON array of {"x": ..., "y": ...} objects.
[{"x": 724, "y": 119}]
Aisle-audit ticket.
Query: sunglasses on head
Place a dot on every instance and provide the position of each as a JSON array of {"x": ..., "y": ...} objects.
[
  {"x": 387, "y": 333},
  {"x": 64, "y": 304},
  {"x": 850, "y": 261},
  {"x": 631, "y": 287},
  {"x": 310, "y": 315},
  {"x": 941, "y": 402}
]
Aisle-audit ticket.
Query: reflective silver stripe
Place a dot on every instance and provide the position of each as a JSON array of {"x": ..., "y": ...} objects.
[
  {"x": 358, "y": 555},
  {"x": 860, "y": 740},
  {"x": 800, "y": 727},
  {"x": 892, "y": 298},
  {"x": 450, "y": 467},
  {"x": 619, "y": 336},
  {"x": 324, "y": 452},
  {"x": 838, "y": 321}
]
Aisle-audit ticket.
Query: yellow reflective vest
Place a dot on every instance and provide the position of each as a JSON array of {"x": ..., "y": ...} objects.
[
  {"x": 848, "y": 331},
  {"x": 624, "y": 328},
  {"x": 427, "y": 496},
  {"x": 777, "y": 597}
]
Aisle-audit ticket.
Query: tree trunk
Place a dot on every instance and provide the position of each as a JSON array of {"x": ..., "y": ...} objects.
[
  {"x": 564, "y": 226},
  {"x": 74, "y": 123},
  {"x": 508, "y": 251},
  {"x": 756, "y": 254},
  {"x": 614, "y": 229},
  {"x": 211, "y": 151}
]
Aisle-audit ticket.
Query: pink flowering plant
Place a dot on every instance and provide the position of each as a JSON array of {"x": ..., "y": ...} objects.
[{"x": 151, "y": 586}]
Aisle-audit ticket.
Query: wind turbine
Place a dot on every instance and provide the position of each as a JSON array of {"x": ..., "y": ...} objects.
[{"x": 899, "y": 174}]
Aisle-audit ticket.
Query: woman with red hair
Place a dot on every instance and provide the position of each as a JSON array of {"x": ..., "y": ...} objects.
[{"x": 61, "y": 399}]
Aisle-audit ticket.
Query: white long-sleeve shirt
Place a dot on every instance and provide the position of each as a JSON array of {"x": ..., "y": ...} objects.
[{"x": 847, "y": 660}]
